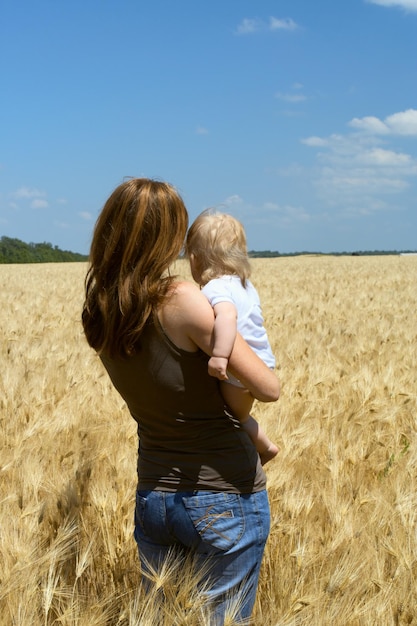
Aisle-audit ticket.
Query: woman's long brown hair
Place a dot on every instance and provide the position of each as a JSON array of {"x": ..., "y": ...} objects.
[{"x": 138, "y": 234}]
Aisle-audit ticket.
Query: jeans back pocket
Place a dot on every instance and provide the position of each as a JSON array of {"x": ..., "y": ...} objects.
[{"x": 217, "y": 517}]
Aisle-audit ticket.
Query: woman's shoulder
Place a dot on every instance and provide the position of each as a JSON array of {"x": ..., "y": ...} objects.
[
  {"x": 183, "y": 289},
  {"x": 185, "y": 286},
  {"x": 186, "y": 296},
  {"x": 187, "y": 317}
]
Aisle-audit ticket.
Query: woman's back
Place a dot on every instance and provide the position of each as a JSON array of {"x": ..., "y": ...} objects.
[{"x": 188, "y": 440}]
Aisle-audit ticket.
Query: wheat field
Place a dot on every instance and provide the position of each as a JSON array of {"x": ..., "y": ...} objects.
[{"x": 343, "y": 543}]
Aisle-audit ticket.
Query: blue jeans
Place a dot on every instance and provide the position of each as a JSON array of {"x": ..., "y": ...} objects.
[{"x": 227, "y": 531}]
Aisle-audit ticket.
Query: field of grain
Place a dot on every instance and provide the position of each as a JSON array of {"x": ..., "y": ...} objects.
[{"x": 343, "y": 543}]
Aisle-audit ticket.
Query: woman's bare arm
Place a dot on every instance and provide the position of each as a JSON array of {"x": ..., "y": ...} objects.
[{"x": 253, "y": 373}]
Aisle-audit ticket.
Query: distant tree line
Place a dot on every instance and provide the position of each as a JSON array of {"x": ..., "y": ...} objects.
[
  {"x": 16, "y": 251},
  {"x": 262, "y": 254}
]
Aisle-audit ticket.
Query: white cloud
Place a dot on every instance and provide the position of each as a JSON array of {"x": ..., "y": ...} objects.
[
  {"x": 85, "y": 215},
  {"x": 271, "y": 213},
  {"x": 61, "y": 225},
  {"x": 201, "y": 130},
  {"x": 282, "y": 24},
  {"x": 407, "y": 5},
  {"x": 370, "y": 125},
  {"x": 341, "y": 147},
  {"x": 359, "y": 169},
  {"x": 292, "y": 170},
  {"x": 248, "y": 26},
  {"x": 384, "y": 158},
  {"x": 291, "y": 97},
  {"x": 38, "y": 203},
  {"x": 252, "y": 25},
  {"x": 290, "y": 214},
  {"x": 315, "y": 142},
  {"x": 402, "y": 123},
  {"x": 35, "y": 198},
  {"x": 271, "y": 206},
  {"x": 27, "y": 193},
  {"x": 353, "y": 181},
  {"x": 234, "y": 199}
]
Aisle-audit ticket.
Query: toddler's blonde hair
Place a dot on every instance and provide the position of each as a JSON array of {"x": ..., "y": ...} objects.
[{"x": 217, "y": 243}]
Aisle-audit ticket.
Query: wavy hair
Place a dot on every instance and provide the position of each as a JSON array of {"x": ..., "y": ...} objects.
[
  {"x": 217, "y": 243},
  {"x": 138, "y": 234}
]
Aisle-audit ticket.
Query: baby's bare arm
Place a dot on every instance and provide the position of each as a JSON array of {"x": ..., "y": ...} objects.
[{"x": 225, "y": 329}]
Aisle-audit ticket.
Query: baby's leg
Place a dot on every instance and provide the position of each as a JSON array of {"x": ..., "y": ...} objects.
[
  {"x": 240, "y": 401},
  {"x": 267, "y": 450}
]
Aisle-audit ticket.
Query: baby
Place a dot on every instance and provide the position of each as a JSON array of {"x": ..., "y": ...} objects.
[{"x": 216, "y": 249}]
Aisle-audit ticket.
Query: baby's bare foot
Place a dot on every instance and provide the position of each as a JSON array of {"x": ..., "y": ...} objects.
[{"x": 269, "y": 453}]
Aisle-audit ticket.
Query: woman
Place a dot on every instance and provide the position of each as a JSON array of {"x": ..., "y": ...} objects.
[{"x": 201, "y": 487}]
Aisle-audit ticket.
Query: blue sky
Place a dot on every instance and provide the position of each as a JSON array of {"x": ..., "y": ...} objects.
[{"x": 298, "y": 117}]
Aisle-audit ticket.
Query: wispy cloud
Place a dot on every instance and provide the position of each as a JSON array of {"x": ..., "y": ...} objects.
[
  {"x": 379, "y": 157},
  {"x": 294, "y": 98},
  {"x": 294, "y": 95},
  {"x": 201, "y": 130},
  {"x": 27, "y": 193},
  {"x": 407, "y": 5},
  {"x": 315, "y": 142},
  {"x": 38, "y": 203},
  {"x": 252, "y": 25},
  {"x": 358, "y": 169},
  {"x": 282, "y": 24},
  {"x": 293, "y": 170},
  {"x": 61, "y": 225},
  {"x": 266, "y": 213},
  {"x": 229, "y": 204},
  {"x": 85, "y": 215},
  {"x": 287, "y": 213},
  {"x": 248, "y": 26},
  {"x": 234, "y": 199},
  {"x": 35, "y": 197}
]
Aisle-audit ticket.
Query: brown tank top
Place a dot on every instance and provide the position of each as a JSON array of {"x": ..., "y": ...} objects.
[{"x": 187, "y": 438}]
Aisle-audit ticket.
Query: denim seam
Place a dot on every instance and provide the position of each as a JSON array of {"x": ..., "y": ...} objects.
[{"x": 211, "y": 520}]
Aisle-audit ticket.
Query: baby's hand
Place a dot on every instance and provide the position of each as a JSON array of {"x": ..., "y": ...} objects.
[{"x": 217, "y": 367}]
